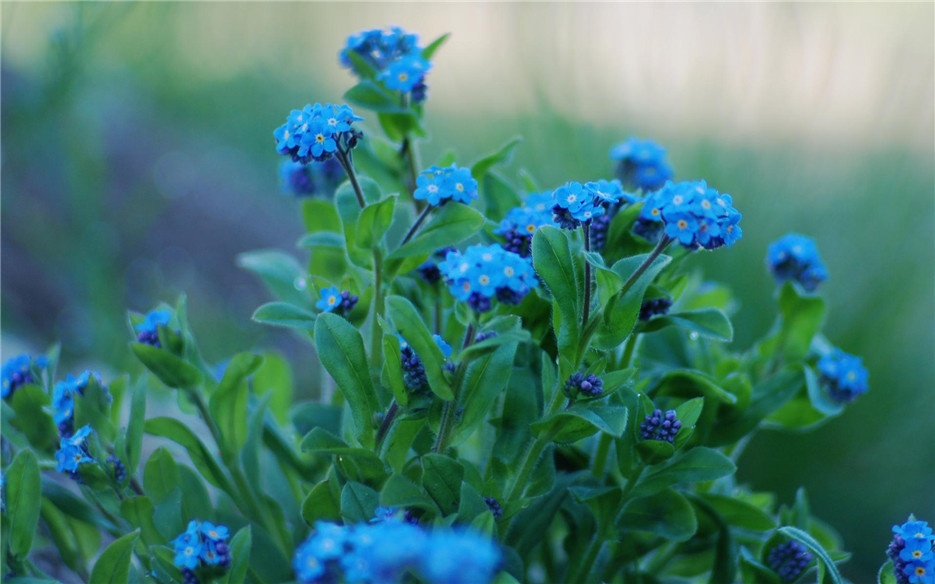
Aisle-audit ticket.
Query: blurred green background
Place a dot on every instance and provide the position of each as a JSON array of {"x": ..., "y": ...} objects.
[{"x": 138, "y": 160}]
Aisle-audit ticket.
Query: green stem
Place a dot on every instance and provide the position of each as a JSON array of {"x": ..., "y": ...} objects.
[
  {"x": 344, "y": 158},
  {"x": 451, "y": 407},
  {"x": 586, "y": 312},
  {"x": 532, "y": 454},
  {"x": 386, "y": 424},
  {"x": 660, "y": 247},
  {"x": 583, "y": 568},
  {"x": 415, "y": 226},
  {"x": 376, "y": 336},
  {"x": 600, "y": 455}
]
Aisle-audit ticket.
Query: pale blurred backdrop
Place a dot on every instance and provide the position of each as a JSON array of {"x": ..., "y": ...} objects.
[{"x": 138, "y": 160}]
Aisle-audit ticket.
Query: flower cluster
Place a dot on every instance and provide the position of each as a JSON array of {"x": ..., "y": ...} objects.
[
  {"x": 495, "y": 508},
  {"x": 586, "y": 385},
  {"x": 386, "y": 550},
  {"x": 692, "y": 213},
  {"x": 911, "y": 552},
  {"x": 317, "y": 133},
  {"x": 63, "y": 399},
  {"x": 120, "y": 469},
  {"x": 314, "y": 178},
  {"x": 601, "y": 225},
  {"x": 394, "y": 55},
  {"x": 521, "y": 223},
  {"x": 641, "y": 164},
  {"x": 429, "y": 269},
  {"x": 795, "y": 257},
  {"x": 336, "y": 300},
  {"x": 204, "y": 547},
  {"x": 788, "y": 560},
  {"x": 484, "y": 272},
  {"x": 659, "y": 426},
  {"x": 576, "y": 203},
  {"x": 73, "y": 452},
  {"x": 406, "y": 74},
  {"x": 654, "y": 307},
  {"x": 413, "y": 370},
  {"x": 147, "y": 332},
  {"x": 19, "y": 371},
  {"x": 438, "y": 185},
  {"x": 843, "y": 375}
]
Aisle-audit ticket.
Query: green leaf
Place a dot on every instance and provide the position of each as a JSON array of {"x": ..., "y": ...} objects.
[
  {"x": 441, "y": 478},
  {"x": 399, "y": 491},
  {"x": 113, "y": 566},
  {"x": 93, "y": 409},
  {"x": 811, "y": 543},
  {"x": 228, "y": 403},
  {"x": 361, "y": 66},
  {"x": 341, "y": 350},
  {"x": 373, "y": 96},
  {"x": 501, "y": 156},
  {"x": 392, "y": 375},
  {"x": 29, "y": 402},
  {"x": 484, "y": 380},
  {"x": 697, "y": 464},
  {"x": 279, "y": 271},
  {"x": 887, "y": 575},
  {"x": 321, "y": 239},
  {"x": 739, "y": 513},
  {"x": 555, "y": 264},
  {"x": 309, "y": 415},
  {"x": 321, "y": 504},
  {"x": 498, "y": 196},
  {"x": 429, "y": 51},
  {"x": 374, "y": 220},
  {"x": 274, "y": 377},
  {"x": 451, "y": 224},
  {"x": 134, "y": 440},
  {"x": 623, "y": 310},
  {"x": 802, "y": 317},
  {"x": 63, "y": 537},
  {"x": 406, "y": 320},
  {"x": 285, "y": 314},
  {"x": 666, "y": 513},
  {"x": 240, "y": 556},
  {"x": 707, "y": 322},
  {"x": 581, "y": 421},
  {"x": 161, "y": 474},
  {"x": 358, "y": 502},
  {"x": 139, "y": 512},
  {"x": 182, "y": 435},
  {"x": 23, "y": 501},
  {"x": 398, "y": 126},
  {"x": 170, "y": 369},
  {"x": 767, "y": 396}
]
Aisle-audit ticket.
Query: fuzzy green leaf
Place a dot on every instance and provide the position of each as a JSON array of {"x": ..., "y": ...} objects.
[
  {"x": 170, "y": 369},
  {"x": 451, "y": 224},
  {"x": 666, "y": 513}
]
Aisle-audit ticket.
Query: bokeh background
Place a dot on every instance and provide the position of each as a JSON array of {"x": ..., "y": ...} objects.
[{"x": 138, "y": 161}]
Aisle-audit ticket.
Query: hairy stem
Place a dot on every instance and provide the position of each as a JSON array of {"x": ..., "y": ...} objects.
[
  {"x": 586, "y": 313},
  {"x": 415, "y": 226},
  {"x": 344, "y": 158},
  {"x": 660, "y": 247}
]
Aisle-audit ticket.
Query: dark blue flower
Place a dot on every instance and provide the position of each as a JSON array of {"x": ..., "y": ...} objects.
[
  {"x": 521, "y": 223},
  {"x": 429, "y": 269},
  {"x": 659, "y": 426},
  {"x": 654, "y": 307},
  {"x": 19, "y": 371},
  {"x": 438, "y": 185},
  {"x": 335, "y": 300},
  {"x": 120, "y": 469},
  {"x": 795, "y": 257},
  {"x": 843, "y": 375},
  {"x": 691, "y": 213},
  {"x": 317, "y": 132},
  {"x": 575, "y": 203},
  {"x": 494, "y": 507},
  {"x": 147, "y": 332},
  {"x": 788, "y": 560},
  {"x": 484, "y": 272},
  {"x": 641, "y": 164},
  {"x": 586, "y": 385},
  {"x": 413, "y": 370}
]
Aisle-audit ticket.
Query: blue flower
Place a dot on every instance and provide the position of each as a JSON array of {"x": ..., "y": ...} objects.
[
  {"x": 188, "y": 550},
  {"x": 19, "y": 371},
  {"x": 306, "y": 563},
  {"x": 691, "y": 213},
  {"x": 795, "y": 257},
  {"x": 336, "y": 300},
  {"x": 148, "y": 330},
  {"x": 63, "y": 399},
  {"x": 484, "y": 272},
  {"x": 429, "y": 269},
  {"x": 575, "y": 203},
  {"x": 641, "y": 164},
  {"x": 405, "y": 73},
  {"x": 842, "y": 375},
  {"x": 202, "y": 544},
  {"x": 587, "y": 385},
  {"x": 314, "y": 178},
  {"x": 317, "y": 133},
  {"x": 788, "y": 560},
  {"x": 439, "y": 185},
  {"x": 459, "y": 557},
  {"x": 521, "y": 223},
  {"x": 911, "y": 552},
  {"x": 659, "y": 426},
  {"x": 73, "y": 452},
  {"x": 654, "y": 307},
  {"x": 413, "y": 370},
  {"x": 379, "y": 48}
]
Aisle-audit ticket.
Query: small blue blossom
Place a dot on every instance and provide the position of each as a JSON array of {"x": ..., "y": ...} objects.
[
  {"x": 521, "y": 223},
  {"x": 459, "y": 557},
  {"x": 405, "y": 73},
  {"x": 586, "y": 385},
  {"x": 438, "y": 185},
  {"x": 795, "y": 257},
  {"x": 188, "y": 550},
  {"x": 641, "y": 164},
  {"x": 659, "y": 426},
  {"x": 484, "y": 272},
  {"x": 788, "y": 560},
  {"x": 63, "y": 399},
  {"x": 379, "y": 48},
  {"x": 843, "y": 375},
  {"x": 202, "y": 545},
  {"x": 336, "y": 300},
  {"x": 73, "y": 452},
  {"x": 575, "y": 203},
  {"x": 691, "y": 213},
  {"x": 19, "y": 371},
  {"x": 317, "y": 132},
  {"x": 147, "y": 332},
  {"x": 911, "y": 552},
  {"x": 312, "y": 179}
]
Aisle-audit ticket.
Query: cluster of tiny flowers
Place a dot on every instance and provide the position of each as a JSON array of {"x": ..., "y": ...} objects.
[
  {"x": 120, "y": 469},
  {"x": 147, "y": 332},
  {"x": 203, "y": 546},
  {"x": 641, "y": 164},
  {"x": 63, "y": 399},
  {"x": 521, "y": 223},
  {"x": 385, "y": 551},
  {"x": 335, "y": 300},
  {"x": 601, "y": 225},
  {"x": 843, "y": 375},
  {"x": 429, "y": 269},
  {"x": 413, "y": 370},
  {"x": 654, "y": 307},
  {"x": 483, "y": 336},
  {"x": 692, "y": 213},
  {"x": 788, "y": 560},
  {"x": 314, "y": 178},
  {"x": 19, "y": 371},
  {"x": 438, "y": 185},
  {"x": 912, "y": 553},
  {"x": 494, "y": 507},
  {"x": 575, "y": 203},
  {"x": 795, "y": 257},
  {"x": 659, "y": 426},
  {"x": 73, "y": 452},
  {"x": 394, "y": 514},
  {"x": 317, "y": 132},
  {"x": 395, "y": 55},
  {"x": 484, "y": 272},
  {"x": 587, "y": 385}
]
